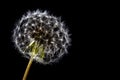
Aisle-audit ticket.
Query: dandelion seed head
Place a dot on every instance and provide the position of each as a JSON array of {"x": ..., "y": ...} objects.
[{"x": 46, "y": 32}]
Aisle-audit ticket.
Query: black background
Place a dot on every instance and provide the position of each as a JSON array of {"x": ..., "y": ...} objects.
[{"x": 80, "y": 17}]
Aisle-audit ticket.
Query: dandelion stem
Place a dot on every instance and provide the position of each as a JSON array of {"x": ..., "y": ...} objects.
[{"x": 28, "y": 68}]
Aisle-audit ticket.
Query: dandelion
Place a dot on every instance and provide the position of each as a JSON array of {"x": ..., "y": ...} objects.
[{"x": 41, "y": 37}]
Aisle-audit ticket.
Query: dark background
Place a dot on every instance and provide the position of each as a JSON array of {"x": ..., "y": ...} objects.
[{"x": 80, "y": 17}]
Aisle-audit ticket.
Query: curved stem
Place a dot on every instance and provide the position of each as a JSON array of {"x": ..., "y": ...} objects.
[{"x": 28, "y": 68}]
